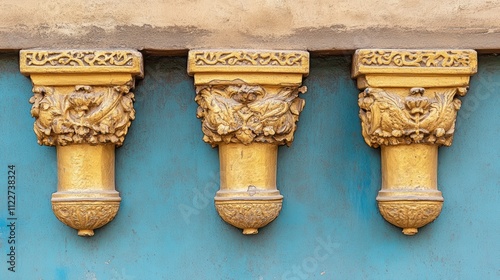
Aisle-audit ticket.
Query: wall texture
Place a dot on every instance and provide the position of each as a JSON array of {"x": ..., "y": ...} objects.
[
  {"x": 173, "y": 26},
  {"x": 329, "y": 228}
]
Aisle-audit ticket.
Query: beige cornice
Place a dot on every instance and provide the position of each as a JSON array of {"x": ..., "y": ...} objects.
[
  {"x": 82, "y": 104},
  {"x": 408, "y": 107},
  {"x": 248, "y": 104}
]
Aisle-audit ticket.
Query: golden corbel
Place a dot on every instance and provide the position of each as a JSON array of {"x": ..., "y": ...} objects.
[
  {"x": 83, "y": 105},
  {"x": 408, "y": 107},
  {"x": 248, "y": 105}
]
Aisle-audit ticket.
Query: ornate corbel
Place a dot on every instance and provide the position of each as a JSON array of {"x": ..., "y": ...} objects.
[
  {"x": 248, "y": 105},
  {"x": 83, "y": 105},
  {"x": 408, "y": 107}
]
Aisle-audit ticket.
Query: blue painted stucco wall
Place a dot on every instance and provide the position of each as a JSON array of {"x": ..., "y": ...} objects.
[{"x": 329, "y": 228}]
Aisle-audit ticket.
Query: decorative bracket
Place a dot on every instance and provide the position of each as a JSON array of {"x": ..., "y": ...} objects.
[
  {"x": 83, "y": 105},
  {"x": 248, "y": 105},
  {"x": 408, "y": 108}
]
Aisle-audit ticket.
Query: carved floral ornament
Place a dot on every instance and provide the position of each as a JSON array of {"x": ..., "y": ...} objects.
[
  {"x": 248, "y": 105},
  {"x": 245, "y": 113},
  {"x": 83, "y": 105},
  {"x": 91, "y": 115},
  {"x": 391, "y": 119},
  {"x": 408, "y": 107}
]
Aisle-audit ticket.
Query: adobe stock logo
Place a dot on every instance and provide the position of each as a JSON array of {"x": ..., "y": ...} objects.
[
  {"x": 310, "y": 264},
  {"x": 201, "y": 199}
]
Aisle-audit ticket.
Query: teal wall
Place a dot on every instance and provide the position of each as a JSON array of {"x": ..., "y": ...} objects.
[{"x": 329, "y": 228}]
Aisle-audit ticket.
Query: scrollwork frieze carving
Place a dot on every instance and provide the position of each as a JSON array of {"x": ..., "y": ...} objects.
[
  {"x": 79, "y": 58},
  {"x": 391, "y": 119},
  {"x": 250, "y": 58},
  {"x": 246, "y": 113},
  {"x": 415, "y": 58},
  {"x": 82, "y": 114}
]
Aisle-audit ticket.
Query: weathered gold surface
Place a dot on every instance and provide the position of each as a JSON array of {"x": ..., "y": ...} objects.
[
  {"x": 409, "y": 107},
  {"x": 83, "y": 105},
  {"x": 242, "y": 166},
  {"x": 248, "y": 105}
]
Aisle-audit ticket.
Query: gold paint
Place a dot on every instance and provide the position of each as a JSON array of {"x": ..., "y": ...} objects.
[
  {"x": 101, "y": 79},
  {"x": 248, "y": 197},
  {"x": 248, "y": 104},
  {"x": 249, "y": 78},
  {"x": 82, "y": 104},
  {"x": 409, "y": 107},
  {"x": 237, "y": 159},
  {"x": 401, "y": 165},
  {"x": 86, "y": 168}
]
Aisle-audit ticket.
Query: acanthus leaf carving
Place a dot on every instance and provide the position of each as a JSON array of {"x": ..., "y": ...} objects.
[
  {"x": 246, "y": 113},
  {"x": 390, "y": 119},
  {"x": 87, "y": 114}
]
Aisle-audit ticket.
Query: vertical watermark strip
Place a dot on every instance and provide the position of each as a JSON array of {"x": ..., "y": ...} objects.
[{"x": 11, "y": 217}]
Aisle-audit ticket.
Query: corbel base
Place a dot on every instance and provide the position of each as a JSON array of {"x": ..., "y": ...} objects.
[
  {"x": 248, "y": 197},
  {"x": 410, "y": 214},
  {"x": 86, "y": 198},
  {"x": 249, "y": 215}
]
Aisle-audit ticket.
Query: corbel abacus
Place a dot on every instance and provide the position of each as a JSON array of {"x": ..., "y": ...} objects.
[
  {"x": 408, "y": 107},
  {"x": 248, "y": 105},
  {"x": 83, "y": 105}
]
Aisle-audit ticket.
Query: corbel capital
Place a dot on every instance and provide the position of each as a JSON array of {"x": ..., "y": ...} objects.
[
  {"x": 248, "y": 105},
  {"x": 83, "y": 105},
  {"x": 408, "y": 107}
]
